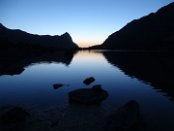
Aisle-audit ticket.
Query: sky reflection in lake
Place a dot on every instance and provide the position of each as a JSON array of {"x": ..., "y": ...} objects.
[{"x": 34, "y": 86}]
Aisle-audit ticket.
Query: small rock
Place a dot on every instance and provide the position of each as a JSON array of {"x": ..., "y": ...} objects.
[
  {"x": 56, "y": 86},
  {"x": 87, "y": 96},
  {"x": 89, "y": 80},
  {"x": 14, "y": 115},
  {"x": 126, "y": 118}
]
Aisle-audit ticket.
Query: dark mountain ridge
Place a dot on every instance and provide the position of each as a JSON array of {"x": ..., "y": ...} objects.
[
  {"x": 19, "y": 49},
  {"x": 20, "y": 37},
  {"x": 152, "y": 32}
]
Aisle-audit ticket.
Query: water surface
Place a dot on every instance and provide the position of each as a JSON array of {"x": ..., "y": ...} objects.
[{"x": 123, "y": 79}]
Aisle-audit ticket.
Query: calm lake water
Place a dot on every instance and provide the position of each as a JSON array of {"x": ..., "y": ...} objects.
[{"x": 122, "y": 79}]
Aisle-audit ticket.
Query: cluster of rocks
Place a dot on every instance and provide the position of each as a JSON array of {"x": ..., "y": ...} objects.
[
  {"x": 125, "y": 118},
  {"x": 88, "y": 96},
  {"x": 85, "y": 96}
]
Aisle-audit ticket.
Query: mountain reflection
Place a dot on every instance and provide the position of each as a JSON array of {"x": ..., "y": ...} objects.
[
  {"x": 152, "y": 67},
  {"x": 12, "y": 63}
]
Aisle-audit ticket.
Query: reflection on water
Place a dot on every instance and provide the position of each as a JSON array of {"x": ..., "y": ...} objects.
[
  {"x": 155, "y": 68},
  {"x": 13, "y": 63},
  {"x": 125, "y": 76}
]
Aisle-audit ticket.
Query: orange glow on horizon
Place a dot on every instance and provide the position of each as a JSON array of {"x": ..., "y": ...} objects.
[
  {"x": 86, "y": 55},
  {"x": 87, "y": 43}
]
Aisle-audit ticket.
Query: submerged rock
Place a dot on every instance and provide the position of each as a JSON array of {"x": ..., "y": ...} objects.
[
  {"x": 89, "y": 80},
  {"x": 126, "y": 118},
  {"x": 56, "y": 86},
  {"x": 94, "y": 95},
  {"x": 97, "y": 88},
  {"x": 15, "y": 115}
]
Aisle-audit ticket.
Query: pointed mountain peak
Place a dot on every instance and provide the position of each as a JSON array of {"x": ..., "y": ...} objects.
[{"x": 66, "y": 34}]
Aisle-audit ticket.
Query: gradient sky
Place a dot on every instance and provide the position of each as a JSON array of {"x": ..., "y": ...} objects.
[{"x": 89, "y": 22}]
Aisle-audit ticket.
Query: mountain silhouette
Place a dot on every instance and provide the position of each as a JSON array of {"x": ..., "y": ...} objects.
[
  {"x": 152, "y": 32},
  {"x": 20, "y": 37},
  {"x": 19, "y": 49}
]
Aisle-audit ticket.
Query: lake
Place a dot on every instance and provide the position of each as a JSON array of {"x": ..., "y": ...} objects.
[{"x": 144, "y": 77}]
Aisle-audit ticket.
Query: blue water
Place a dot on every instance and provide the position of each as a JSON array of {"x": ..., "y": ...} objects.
[{"x": 34, "y": 86}]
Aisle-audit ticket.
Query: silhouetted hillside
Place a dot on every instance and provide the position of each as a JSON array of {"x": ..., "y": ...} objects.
[
  {"x": 155, "y": 31},
  {"x": 8, "y": 36}
]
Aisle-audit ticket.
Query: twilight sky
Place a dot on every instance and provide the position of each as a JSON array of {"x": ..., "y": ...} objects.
[{"x": 89, "y": 22}]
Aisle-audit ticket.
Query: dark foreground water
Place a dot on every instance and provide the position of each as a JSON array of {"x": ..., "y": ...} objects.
[{"x": 144, "y": 77}]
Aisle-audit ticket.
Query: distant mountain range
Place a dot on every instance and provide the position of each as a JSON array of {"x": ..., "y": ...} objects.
[
  {"x": 9, "y": 36},
  {"x": 152, "y": 32}
]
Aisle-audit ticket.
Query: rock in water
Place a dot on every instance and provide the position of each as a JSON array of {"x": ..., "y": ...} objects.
[
  {"x": 13, "y": 116},
  {"x": 89, "y": 80},
  {"x": 97, "y": 88},
  {"x": 90, "y": 96},
  {"x": 126, "y": 118},
  {"x": 56, "y": 86}
]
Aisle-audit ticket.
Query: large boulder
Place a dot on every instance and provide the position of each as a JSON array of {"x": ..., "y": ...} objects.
[
  {"x": 14, "y": 115},
  {"x": 13, "y": 119},
  {"x": 94, "y": 95},
  {"x": 126, "y": 118}
]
